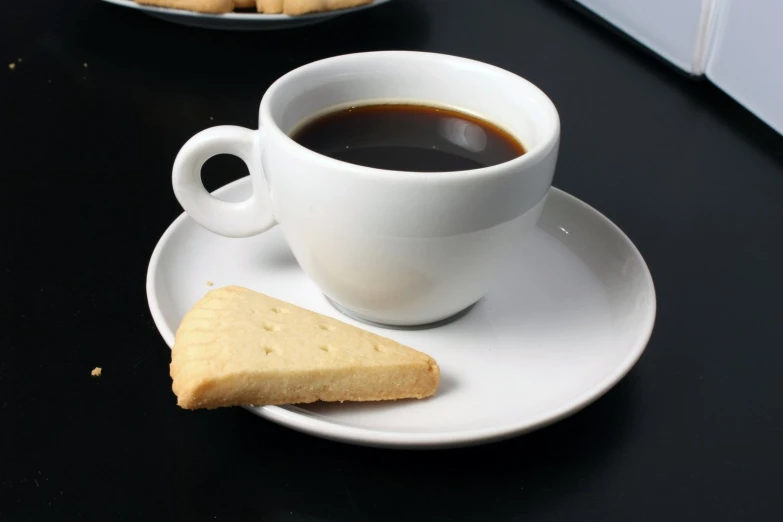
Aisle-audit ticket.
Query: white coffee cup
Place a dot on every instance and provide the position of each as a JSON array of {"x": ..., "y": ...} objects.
[{"x": 390, "y": 247}]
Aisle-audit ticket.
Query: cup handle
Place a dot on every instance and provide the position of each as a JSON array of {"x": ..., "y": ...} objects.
[{"x": 247, "y": 218}]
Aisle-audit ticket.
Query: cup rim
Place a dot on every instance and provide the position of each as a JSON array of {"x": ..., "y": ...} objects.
[{"x": 532, "y": 155}]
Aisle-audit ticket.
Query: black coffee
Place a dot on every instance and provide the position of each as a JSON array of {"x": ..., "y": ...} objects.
[{"x": 414, "y": 138}]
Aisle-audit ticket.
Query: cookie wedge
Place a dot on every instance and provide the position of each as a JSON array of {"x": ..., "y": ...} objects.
[
  {"x": 200, "y": 6},
  {"x": 236, "y": 347}
]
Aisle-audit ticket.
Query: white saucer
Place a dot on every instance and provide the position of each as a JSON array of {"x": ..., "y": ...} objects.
[
  {"x": 238, "y": 21},
  {"x": 551, "y": 337}
]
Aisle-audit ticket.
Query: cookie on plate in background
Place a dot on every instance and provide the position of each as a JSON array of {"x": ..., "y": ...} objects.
[
  {"x": 200, "y": 6},
  {"x": 300, "y": 7}
]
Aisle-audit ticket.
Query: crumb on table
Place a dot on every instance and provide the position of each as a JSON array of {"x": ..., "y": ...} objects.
[
  {"x": 12, "y": 66},
  {"x": 96, "y": 372},
  {"x": 210, "y": 283}
]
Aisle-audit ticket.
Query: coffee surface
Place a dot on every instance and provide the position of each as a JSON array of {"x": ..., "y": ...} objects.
[{"x": 414, "y": 138}]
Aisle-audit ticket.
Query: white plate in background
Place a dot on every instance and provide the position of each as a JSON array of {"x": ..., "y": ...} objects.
[{"x": 238, "y": 21}]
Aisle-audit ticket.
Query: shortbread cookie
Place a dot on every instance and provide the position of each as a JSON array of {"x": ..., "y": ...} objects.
[
  {"x": 239, "y": 347},
  {"x": 300, "y": 7},
  {"x": 333, "y": 5},
  {"x": 269, "y": 6},
  {"x": 201, "y": 6}
]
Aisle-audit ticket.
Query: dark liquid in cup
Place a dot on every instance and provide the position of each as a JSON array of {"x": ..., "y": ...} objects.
[{"x": 415, "y": 138}]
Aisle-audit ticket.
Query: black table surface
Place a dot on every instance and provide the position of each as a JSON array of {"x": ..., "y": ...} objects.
[{"x": 91, "y": 117}]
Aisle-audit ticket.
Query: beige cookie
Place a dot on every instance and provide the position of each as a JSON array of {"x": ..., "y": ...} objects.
[
  {"x": 300, "y": 7},
  {"x": 239, "y": 347},
  {"x": 333, "y": 5},
  {"x": 269, "y": 6},
  {"x": 201, "y": 6}
]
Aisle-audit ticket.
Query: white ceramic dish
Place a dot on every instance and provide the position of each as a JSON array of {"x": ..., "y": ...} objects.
[
  {"x": 239, "y": 21},
  {"x": 552, "y": 336}
]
